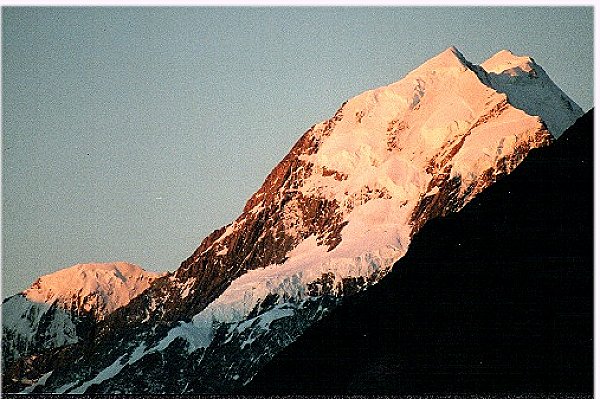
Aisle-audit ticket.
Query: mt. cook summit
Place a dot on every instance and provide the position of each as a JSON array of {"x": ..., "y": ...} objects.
[{"x": 330, "y": 220}]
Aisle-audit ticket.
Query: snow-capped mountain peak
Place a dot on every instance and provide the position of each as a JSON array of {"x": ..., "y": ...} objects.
[
  {"x": 99, "y": 288},
  {"x": 529, "y": 88},
  {"x": 449, "y": 58},
  {"x": 60, "y": 308},
  {"x": 330, "y": 220},
  {"x": 505, "y": 61}
]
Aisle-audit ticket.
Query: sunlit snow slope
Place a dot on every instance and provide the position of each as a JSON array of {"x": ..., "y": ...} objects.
[{"x": 55, "y": 309}]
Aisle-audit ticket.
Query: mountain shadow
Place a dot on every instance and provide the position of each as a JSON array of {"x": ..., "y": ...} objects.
[{"x": 496, "y": 298}]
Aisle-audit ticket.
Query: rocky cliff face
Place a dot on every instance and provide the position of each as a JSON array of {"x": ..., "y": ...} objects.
[{"x": 329, "y": 221}]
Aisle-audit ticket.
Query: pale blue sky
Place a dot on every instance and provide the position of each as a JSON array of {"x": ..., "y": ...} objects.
[{"x": 131, "y": 133}]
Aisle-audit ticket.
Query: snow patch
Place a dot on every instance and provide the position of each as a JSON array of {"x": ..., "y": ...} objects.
[
  {"x": 197, "y": 334},
  {"x": 107, "y": 373},
  {"x": 40, "y": 382},
  {"x": 65, "y": 388},
  {"x": 104, "y": 375},
  {"x": 222, "y": 252},
  {"x": 185, "y": 289}
]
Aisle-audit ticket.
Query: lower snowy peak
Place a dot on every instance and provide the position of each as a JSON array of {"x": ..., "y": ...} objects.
[
  {"x": 96, "y": 288},
  {"x": 60, "y": 308},
  {"x": 330, "y": 220}
]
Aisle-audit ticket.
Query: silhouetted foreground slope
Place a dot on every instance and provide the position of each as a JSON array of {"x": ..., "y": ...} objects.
[{"x": 496, "y": 298}]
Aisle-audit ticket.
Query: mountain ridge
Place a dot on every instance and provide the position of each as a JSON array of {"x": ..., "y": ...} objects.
[{"x": 329, "y": 221}]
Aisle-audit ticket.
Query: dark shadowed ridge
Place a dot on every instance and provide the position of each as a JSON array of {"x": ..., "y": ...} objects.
[{"x": 496, "y": 298}]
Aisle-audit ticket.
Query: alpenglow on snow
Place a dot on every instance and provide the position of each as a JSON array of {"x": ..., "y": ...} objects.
[
  {"x": 61, "y": 308},
  {"x": 330, "y": 220}
]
